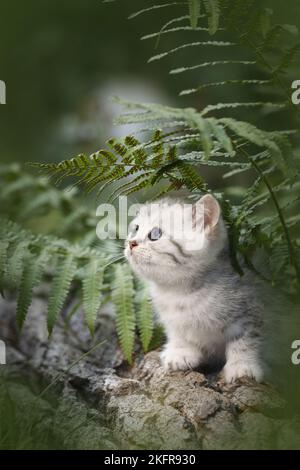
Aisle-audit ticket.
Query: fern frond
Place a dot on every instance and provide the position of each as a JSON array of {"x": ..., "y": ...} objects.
[
  {"x": 173, "y": 30},
  {"x": 15, "y": 261},
  {"x": 211, "y": 64},
  {"x": 60, "y": 289},
  {"x": 31, "y": 277},
  {"x": 221, "y": 106},
  {"x": 128, "y": 185},
  {"x": 154, "y": 7},
  {"x": 145, "y": 318},
  {"x": 191, "y": 44},
  {"x": 191, "y": 178},
  {"x": 122, "y": 296},
  {"x": 92, "y": 285},
  {"x": 219, "y": 133},
  {"x": 213, "y": 12},
  {"x": 158, "y": 337},
  {"x": 138, "y": 186},
  {"x": 287, "y": 59},
  {"x": 225, "y": 82},
  {"x": 258, "y": 137},
  {"x": 194, "y": 10},
  {"x": 279, "y": 257},
  {"x": 4, "y": 244}
]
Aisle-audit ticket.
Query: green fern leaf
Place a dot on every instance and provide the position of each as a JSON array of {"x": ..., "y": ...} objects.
[
  {"x": 173, "y": 30},
  {"x": 194, "y": 10},
  {"x": 192, "y": 180},
  {"x": 221, "y": 106},
  {"x": 92, "y": 286},
  {"x": 213, "y": 11},
  {"x": 221, "y": 136},
  {"x": 153, "y": 7},
  {"x": 122, "y": 296},
  {"x": 128, "y": 186},
  {"x": 31, "y": 277},
  {"x": 60, "y": 289},
  {"x": 192, "y": 44},
  {"x": 212, "y": 64},
  {"x": 258, "y": 137},
  {"x": 279, "y": 257},
  {"x": 137, "y": 187},
  {"x": 225, "y": 82},
  {"x": 15, "y": 262},
  {"x": 158, "y": 337},
  {"x": 145, "y": 318},
  {"x": 4, "y": 244}
]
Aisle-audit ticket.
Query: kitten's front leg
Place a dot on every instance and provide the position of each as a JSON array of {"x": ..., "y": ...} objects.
[
  {"x": 243, "y": 359},
  {"x": 179, "y": 356}
]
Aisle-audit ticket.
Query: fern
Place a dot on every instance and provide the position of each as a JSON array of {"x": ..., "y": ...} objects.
[
  {"x": 194, "y": 11},
  {"x": 212, "y": 8},
  {"x": 31, "y": 277},
  {"x": 60, "y": 288},
  {"x": 17, "y": 259},
  {"x": 92, "y": 291},
  {"x": 122, "y": 296},
  {"x": 144, "y": 316},
  {"x": 4, "y": 244}
]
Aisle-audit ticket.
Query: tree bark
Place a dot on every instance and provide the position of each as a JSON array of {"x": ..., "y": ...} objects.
[{"x": 101, "y": 402}]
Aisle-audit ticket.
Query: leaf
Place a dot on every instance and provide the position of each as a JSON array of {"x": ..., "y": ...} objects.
[
  {"x": 191, "y": 179},
  {"x": 265, "y": 21},
  {"x": 221, "y": 136},
  {"x": 212, "y": 64},
  {"x": 192, "y": 44},
  {"x": 122, "y": 297},
  {"x": 145, "y": 318},
  {"x": 4, "y": 244},
  {"x": 194, "y": 10},
  {"x": 15, "y": 262},
  {"x": 271, "y": 141},
  {"x": 92, "y": 285},
  {"x": 225, "y": 82},
  {"x": 153, "y": 7},
  {"x": 213, "y": 11},
  {"x": 158, "y": 337},
  {"x": 60, "y": 289},
  {"x": 221, "y": 106},
  {"x": 31, "y": 277},
  {"x": 279, "y": 257}
]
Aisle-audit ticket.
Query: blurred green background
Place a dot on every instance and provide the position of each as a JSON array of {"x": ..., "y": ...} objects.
[{"x": 62, "y": 60}]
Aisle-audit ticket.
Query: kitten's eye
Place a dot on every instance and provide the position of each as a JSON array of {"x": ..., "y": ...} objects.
[{"x": 155, "y": 234}]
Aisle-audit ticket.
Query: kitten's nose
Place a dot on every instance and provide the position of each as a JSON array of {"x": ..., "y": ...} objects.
[{"x": 132, "y": 244}]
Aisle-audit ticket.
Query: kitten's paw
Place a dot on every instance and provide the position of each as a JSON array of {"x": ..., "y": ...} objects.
[
  {"x": 179, "y": 358},
  {"x": 235, "y": 370}
]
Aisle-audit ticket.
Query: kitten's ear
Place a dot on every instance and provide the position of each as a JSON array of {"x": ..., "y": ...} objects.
[{"x": 211, "y": 210}]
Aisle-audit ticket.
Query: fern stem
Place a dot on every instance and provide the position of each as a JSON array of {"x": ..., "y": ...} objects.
[{"x": 292, "y": 253}]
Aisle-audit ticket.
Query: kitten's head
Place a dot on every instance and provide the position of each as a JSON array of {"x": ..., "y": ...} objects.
[{"x": 169, "y": 241}]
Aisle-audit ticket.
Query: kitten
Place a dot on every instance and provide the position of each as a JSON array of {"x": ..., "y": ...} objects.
[{"x": 209, "y": 312}]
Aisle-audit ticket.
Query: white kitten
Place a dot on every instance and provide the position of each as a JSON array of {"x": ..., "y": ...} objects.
[{"x": 208, "y": 311}]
